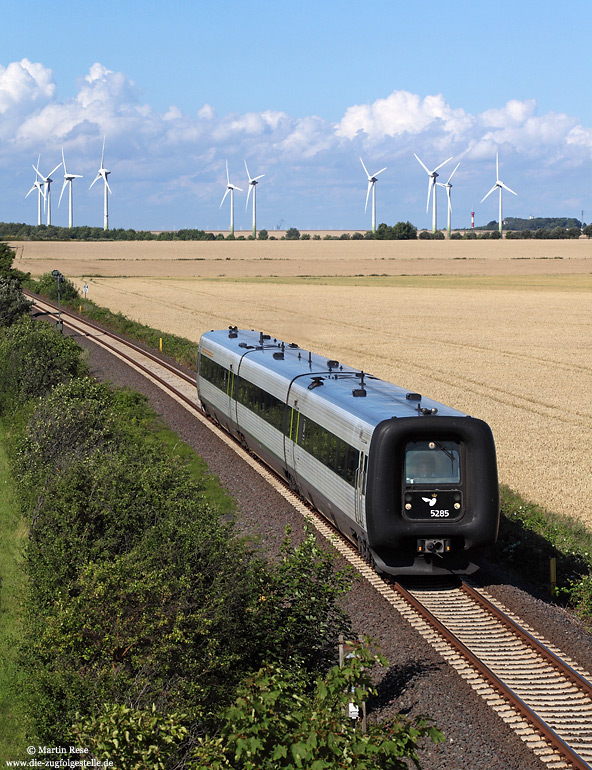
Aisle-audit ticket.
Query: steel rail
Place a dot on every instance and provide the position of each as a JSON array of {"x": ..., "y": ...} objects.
[
  {"x": 548, "y": 655},
  {"x": 549, "y": 735}
]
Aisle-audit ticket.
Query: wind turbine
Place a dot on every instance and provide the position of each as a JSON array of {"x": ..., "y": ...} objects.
[
  {"x": 37, "y": 185},
  {"x": 499, "y": 185},
  {"x": 230, "y": 188},
  {"x": 432, "y": 188},
  {"x": 372, "y": 186},
  {"x": 103, "y": 173},
  {"x": 68, "y": 179},
  {"x": 448, "y": 188},
  {"x": 47, "y": 180},
  {"x": 252, "y": 186}
]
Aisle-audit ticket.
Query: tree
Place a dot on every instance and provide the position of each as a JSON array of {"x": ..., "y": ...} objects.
[
  {"x": 13, "y": 303},
  {"x": 6, "y": 258},
  {"x": 292, "y": 234},
  {"x": 405, "y": 231},
  {"x": 33, "y": 359},
  {"x": 263, "y": 235}
]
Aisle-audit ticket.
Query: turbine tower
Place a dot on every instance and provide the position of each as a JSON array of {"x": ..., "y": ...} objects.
[
  {"x": 252, "y": 186},
  {"x": 230, "y": 188},
  {"x": 103, "y": 173},
  {"x": 448, "y": 188},
  {"x": 68, "y": 179},
  {"x": 432, "y": 188},
  {"x": 47, "y": 180},
  {"x": 499, "y": 185},
  {"x": 37, "y": 185},
  {"x": 371, "y": 186}
]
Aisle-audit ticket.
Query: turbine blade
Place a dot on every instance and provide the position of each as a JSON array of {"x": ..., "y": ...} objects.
[
  {"x": 224, "y": 197},
  {"x": 451, "y": 175},
  {"x": 449, "y": 201},
  {"x": 497, "y": 165},
  {"x": 31, "y": 190},
  {"x": 63, "y": 188},
  {"x": 368, "y": 194},
  {"x": 505, "y": 186},
  {"x": 380, "y": 172},
  {"x": 248, "y": 194},
  {"x": 442, "y": 164},
  {"x": 423, "y": 164},
  {"x": 64, "y": 162},
  {"x": 365, "y": 169},
  {"x": 257, "y": 177},
  {"x": 247, "y": 168},
  {"x": 103, "y": 152},
  {"x": 429, "y": 193},
  {"x": 489, "y": 193},
  {"x": 227, "y": 175},
  {"x": 53, "y": 172},
  {"x": 96, "y": 179}
]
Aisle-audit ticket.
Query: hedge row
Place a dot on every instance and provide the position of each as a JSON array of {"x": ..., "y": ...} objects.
[{"x": 141, "y": 595}]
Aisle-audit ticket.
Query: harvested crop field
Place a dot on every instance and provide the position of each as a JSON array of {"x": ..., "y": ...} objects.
[{"x": 501, "y": 330}]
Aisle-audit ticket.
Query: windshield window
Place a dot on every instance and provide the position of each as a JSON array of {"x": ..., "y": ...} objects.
[{"x": 428, "y": 462}]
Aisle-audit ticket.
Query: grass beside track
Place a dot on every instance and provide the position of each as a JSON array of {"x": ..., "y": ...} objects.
[{"x": 13, "y": 533}]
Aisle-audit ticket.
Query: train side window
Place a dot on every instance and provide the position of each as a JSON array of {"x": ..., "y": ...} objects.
[
  {"x": 335, "y": 453},
  {"x": 213, "y": 372},
  {"x": 262, "y": 403}
]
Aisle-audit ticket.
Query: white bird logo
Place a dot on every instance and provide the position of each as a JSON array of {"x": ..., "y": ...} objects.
[{"x": 431, "y": 501}]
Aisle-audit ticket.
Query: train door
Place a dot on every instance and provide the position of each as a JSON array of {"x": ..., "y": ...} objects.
[
  {"x": 230, "y": 406},
  {"x": 360, "y": 489},
  {"x": 291, "y": 430}
]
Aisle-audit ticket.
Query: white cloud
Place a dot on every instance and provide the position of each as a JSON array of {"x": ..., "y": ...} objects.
[
  {"x": 402, "y": 113},
  {"x": 23, "y": 85}
]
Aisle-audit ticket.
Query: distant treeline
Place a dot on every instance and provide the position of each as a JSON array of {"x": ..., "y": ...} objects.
[
  {"x": 541, "y": 223},
  {"x": 22, "y": 231},
  {"x": 513, "y": 228}
]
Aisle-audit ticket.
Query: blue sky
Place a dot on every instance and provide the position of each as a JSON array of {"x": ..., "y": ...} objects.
[{"x": 300, "y": 91}]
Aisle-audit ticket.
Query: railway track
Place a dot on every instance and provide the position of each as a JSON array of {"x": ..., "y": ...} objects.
[{"x": 533, "y": 687}]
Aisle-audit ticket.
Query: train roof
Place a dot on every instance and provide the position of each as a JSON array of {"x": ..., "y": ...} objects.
[{"x": 369, "y": 398}]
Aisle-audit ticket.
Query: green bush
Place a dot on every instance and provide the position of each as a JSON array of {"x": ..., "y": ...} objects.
[
  {"x": 276, "y": 724},
  {"x": 33, "y": 359},
  {"x": 134, "y": 739},
  {"x": 47, "y": 285}
]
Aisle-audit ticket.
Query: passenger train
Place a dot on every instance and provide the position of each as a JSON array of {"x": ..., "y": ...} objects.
[{"x": 411, "y": 482}]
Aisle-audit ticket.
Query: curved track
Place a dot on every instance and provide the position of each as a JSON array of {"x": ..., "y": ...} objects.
[{"x": 533, "y": 688}]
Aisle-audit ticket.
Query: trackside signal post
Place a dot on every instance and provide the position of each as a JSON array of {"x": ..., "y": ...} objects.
[{"x": 59, "y": 280}]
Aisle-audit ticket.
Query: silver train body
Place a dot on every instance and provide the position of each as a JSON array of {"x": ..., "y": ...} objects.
[{"x": 412, "y": 482}]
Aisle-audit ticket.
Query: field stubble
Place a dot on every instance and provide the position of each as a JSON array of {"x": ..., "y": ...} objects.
[{"x": 509, "y": 342}]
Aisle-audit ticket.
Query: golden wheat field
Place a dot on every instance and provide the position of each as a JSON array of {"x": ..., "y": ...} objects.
[{"x": 499, "y": 329}]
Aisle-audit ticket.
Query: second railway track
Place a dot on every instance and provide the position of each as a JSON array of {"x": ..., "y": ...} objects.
[{"x": 533, "y": 687}]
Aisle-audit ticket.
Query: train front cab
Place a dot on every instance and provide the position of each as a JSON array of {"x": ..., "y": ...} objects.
[{"x": 432, "y": 498}]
